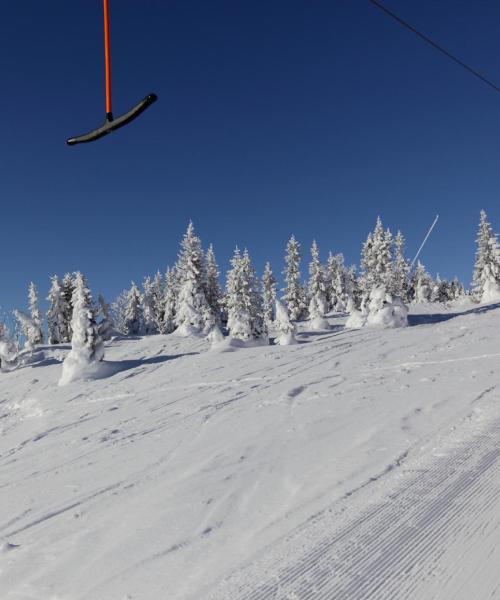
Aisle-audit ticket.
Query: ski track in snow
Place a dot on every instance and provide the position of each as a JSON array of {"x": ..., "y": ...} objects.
[
  {"x": 356, "y": 464},
  {"x": 397, "y": 548}
]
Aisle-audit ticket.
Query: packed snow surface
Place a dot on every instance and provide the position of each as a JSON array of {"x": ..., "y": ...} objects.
[{"x": 354, "y": 464}]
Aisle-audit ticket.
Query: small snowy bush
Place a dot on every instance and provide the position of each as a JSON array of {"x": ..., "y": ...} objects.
[{"x": 385, "y": 311}]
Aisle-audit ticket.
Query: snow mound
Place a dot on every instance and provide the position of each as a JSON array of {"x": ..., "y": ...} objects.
[
  {"x": 187, "y": 330},
  {"x": 386, "y": 311},
  {"x": 356, "y": 319},
  {"x": 77, "y": 368},
  {"x": 215, "y": 336},
  {"x": 391, "y": 314},
  {"x": 231, "y": 344}
]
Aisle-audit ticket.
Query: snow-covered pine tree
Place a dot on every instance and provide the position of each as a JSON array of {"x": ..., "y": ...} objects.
[
  {"x": 401, "y": 269},
  {"x": 148, "y": 307},
  {"x": 169, "y": 301},
  {"x": 238, "y": 299},
  {"x": 269, "y": 284},
  {"x": 294, "y": 296},
  {"x": 4, "y": 331},
  {"x": 87, "y": 347},
  {"x": 340, "y": 284},
  {"x": 317, "y": 288},
  {"x": 316, "y": 319},
  {"x": 440, "y": 290},
  {"x": 133, "y": 312},
  {"x": 36, "y": 315},
  {"x": 56, "y": 315},
  {"x": 352, "y": 291},
  {"x": 445, "y": 293},
  {"x": 385, "y": 262},
  {"x": 486, "y": 279},
  {"x": 244, "y": 303},
  {"x": 285, "y": 329},
  {"x": 106, "y": 325},
  {"x": 376, "y": 260},
  {"x": 158, "y": 290},
  {"x": 29, "y": 330},
  {"x": 421, "y": 284},
  {"x": 337, "y": 281},
  {"x": 213, "y": 292},
  {"x": 8, "y": 350},
  {"x": 119, "y": 310},
  {"x": 366, "y": 279},
  {"x": 191, "y": 310},
  {"x": 68, "y": 289},
  {"x": 330, "y": 277},
  {"x": 259, "y": 330},
  {"x": 457, "y": 289}
]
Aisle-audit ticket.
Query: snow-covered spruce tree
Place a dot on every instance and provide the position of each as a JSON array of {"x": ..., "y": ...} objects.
[
  {"x": 8, "y": 350},
  {"x": 213, "y": 292},
  {"x": 259, "y": 330},
  {"x": 440, "y": 290},
  {"x": 330, "y": 277},
  {"x": 169, "y": 301},
  {"x": 106, "y": 325},
  {"x": 244, "y": 303},
  {"x": 317, "y": 288},
  {"x": 376, "y": 260},
  {"x": 385, "y": 265},
  {"x": 486, "y": 279},
  {"x": 340, "y": 285},
  {"x": 285, "y": 329},
  {"x": 238, "y": 299},
  {"x": 316, "y": 319},
  {"x": 401, "y": 269},
  {"x": 269, "y": 284},
  {"x": 352, "y": 291},
  {"x": 191, "y": 310},
  {"x": 56, "y": 315},
  {"x": 4, "y": 332},
  {"x": 158, "y": 291},
  {"x": 336, "y": 282},
  {"x": 119, "y": 311},
  {"x": 366, "y": 278},
  {"x": 87, "y": 348},
  {"x": 294, "y": 297},
  {"x": 457, "y": 289},
  {"x": 68, "y": 289},
  {"x": 36, "y": 315},
  {"x": 29, "y": 329},
  {"x": 133, "y": 312},
  {"x": 421, "y": 284},
  {"x": 148, "y": 307}
]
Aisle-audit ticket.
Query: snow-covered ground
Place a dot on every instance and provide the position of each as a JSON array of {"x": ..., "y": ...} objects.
[{"x": 355, "y": 464}]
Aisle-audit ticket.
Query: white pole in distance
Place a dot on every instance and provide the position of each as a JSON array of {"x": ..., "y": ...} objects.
[{"x": 425, "y": 239}]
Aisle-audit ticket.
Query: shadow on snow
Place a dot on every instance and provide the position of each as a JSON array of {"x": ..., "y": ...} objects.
[{"x": 414, "y": 320}]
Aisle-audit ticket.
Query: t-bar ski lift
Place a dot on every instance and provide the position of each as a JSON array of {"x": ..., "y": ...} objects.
[{"x": 110, "y": 123}]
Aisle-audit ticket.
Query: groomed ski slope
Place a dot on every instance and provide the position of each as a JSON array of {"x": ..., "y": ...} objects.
[{"x": 357, "y": 464}]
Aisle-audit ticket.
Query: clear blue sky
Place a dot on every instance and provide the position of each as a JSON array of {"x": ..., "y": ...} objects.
[{"x": 273, "y": 118}]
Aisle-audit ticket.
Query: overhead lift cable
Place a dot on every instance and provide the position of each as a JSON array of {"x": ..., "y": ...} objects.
[{"x": 434, "y": 44}]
